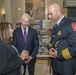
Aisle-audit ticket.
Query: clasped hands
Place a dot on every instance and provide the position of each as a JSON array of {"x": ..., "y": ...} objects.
[
  {"x": 53, "y": 53},
  {"x": 24, "y": 55}
]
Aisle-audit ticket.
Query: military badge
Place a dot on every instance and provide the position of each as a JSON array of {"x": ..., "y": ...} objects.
[
  {"x": 59, "y": 33},
  {"x": 74, "y": 26}
]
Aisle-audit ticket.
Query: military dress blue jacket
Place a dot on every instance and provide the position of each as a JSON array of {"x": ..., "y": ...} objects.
[{"x": 64, "y": 41}]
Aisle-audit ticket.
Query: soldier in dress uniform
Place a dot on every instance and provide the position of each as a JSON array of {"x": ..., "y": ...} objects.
[{"x": 62, "y": 48}]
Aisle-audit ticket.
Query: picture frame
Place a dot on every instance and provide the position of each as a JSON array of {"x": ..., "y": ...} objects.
[
  {"x": 36, "y": 9},
  {"x": 69, "y": 3}
]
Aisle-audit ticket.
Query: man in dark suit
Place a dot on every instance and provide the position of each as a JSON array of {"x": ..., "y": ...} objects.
[
  {"x": 62, "y": 48},
  {"x": 26, "y": 38}
]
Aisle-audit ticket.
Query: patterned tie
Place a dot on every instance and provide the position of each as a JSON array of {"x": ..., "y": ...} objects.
[{"x": 24, "y": 35}]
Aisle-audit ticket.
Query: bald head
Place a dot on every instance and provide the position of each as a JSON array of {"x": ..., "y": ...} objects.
[
  {"x": 54, "y": 12},
  {"x": 55, "y": 7}
]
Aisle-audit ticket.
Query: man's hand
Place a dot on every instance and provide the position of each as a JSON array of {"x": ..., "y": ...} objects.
[
  {"x": 53, "y": 52},
  {"x": 24, "y": 54},
  {"x": 28, "y": 60}
]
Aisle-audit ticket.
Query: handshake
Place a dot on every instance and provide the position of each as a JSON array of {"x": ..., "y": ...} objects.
[{"x": 24, "y": 55}]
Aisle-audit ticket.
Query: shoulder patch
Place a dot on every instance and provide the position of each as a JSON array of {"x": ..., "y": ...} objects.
[{"x": 74, "y": 26}]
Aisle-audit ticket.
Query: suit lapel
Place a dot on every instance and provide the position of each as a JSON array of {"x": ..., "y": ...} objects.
[
  {"x": 21, "y": 35},
  {"x": 60, "y": 25}
]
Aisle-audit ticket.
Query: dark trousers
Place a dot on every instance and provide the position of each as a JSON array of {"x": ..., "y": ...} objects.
[
  {"x": 31, "y": 67},
  {"x": 55, "y": 73}
]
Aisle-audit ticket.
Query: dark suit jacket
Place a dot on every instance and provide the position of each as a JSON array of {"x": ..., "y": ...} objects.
[
  {"x": 9, "y": 61},
  {"x": 64, "y": 40},
  {"x": 31, "y": 44}
]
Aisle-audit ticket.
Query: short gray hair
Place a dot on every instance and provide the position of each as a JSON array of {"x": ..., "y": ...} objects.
[{"x": 26, "y": 15}]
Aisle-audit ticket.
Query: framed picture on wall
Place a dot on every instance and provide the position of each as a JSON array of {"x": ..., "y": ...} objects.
[
  {"x": 69, "y": 3},
  {"x": 35, "y": 8}
]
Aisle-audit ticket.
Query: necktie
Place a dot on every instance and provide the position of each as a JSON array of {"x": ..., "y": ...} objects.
[
  {"x": 55, "y": 27},
  {"x": 24, "y": 36}
]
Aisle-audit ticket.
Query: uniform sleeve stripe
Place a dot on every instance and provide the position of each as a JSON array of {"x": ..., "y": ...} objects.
[{"x": 66, "y": 54}]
